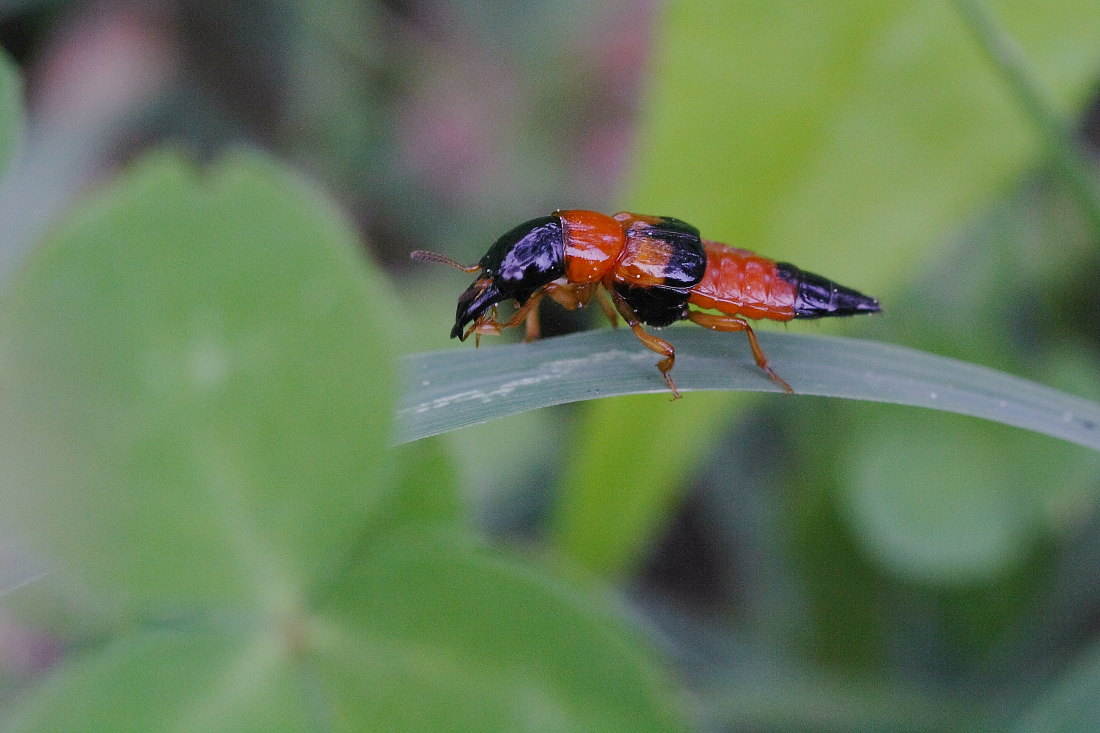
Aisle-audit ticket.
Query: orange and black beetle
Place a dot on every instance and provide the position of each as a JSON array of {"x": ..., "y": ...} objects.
[{"x": 654, "y": 269}]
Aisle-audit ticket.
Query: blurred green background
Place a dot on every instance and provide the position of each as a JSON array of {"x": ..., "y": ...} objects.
[{"x": 792, "y": 563}]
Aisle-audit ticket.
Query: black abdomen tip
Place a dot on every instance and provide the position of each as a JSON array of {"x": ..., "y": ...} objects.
[{"x": 819, "y": 297}]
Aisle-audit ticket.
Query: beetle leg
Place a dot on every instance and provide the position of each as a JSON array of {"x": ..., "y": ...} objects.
[
  {"x": 490, "y": 326},
  {"x": 571, "y": 295},
  {"x": 485, "y": 324},
  {"x": 733, "y": 323},
  {"x": 532, "y": 329},
  {"x": 651, "y": 342},
  {"x": 608, "y": 308},
  {"x": 529, "y": 313}
]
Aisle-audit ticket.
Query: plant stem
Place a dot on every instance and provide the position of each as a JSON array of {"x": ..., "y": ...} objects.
[{"x": 1069, "y": 159}]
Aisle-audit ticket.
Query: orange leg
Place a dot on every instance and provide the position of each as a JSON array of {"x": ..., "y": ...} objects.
[
  {"x": 490, "y": 326},
  {"x": 608, "y": 308},
  {"x": 532, "y": 329},
  {"x": 650, "y": 341},
  {"x": 476, "y": 328},
  {"x": 577, "y": 295},
  {"x": 733, "y": 323},
  {"x": 569, "y": 295}
]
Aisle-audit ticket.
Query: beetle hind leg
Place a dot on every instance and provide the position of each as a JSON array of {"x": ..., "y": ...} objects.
[{"x": 734, "y": 323}]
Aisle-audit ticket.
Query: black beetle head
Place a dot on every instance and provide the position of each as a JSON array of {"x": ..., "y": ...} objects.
[
  {"x": 519, "y": 263},
  {"x": 476, "y": 300}
]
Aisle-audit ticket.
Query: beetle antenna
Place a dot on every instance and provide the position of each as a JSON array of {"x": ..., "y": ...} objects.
[{"x": 423, "y": 255}]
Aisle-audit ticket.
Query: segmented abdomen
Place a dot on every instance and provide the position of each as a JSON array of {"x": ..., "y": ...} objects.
[{"x": 739, "y": 282}]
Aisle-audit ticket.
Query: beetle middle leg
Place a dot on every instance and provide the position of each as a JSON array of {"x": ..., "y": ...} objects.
[
  {"x": 568, "y": 295},
  {"x": 607, "y": 307},
  {"x": 651, "y": 342},
  {"x": 734, "y": 323}
]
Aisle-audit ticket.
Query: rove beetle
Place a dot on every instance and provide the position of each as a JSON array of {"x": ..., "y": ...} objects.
[{"x": 653, "y": 267}]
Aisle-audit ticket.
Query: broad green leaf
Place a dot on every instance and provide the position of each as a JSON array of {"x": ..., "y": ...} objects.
[
  {"x": 427, "y": 487},
  {"x": 954, "y": 501},
  {"x": 941, "y": 502},
  {"x": 181, "y": 680},
  {"x": 197, "y": 387},
  {"x": 847, "y": 137},
  {"x": 434, "y": 635},
  {"x": 637, "y": 504},
  {"x": 424, "y": 634},
  {"x": 200, "y": 396}
]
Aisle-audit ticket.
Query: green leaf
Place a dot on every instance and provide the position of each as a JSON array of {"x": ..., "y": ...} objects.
[
  {"x": 433, "y": 635},
  {"x": 848, "y": 133},
  {"x": 941, "y": 502},
  {"x": 447, "y": 390},
  {"x": 427, "y": 487},
  {"x": 198, "y": 422},
  {"x": 196, "y": 403},
  {"x": 618, "y": 477},
  {"x": 425, "y": 634},
  {"x": 846, "y": 137},
  {"x": 172, "y": 680},
  {"x": 1068, "y": 159}
]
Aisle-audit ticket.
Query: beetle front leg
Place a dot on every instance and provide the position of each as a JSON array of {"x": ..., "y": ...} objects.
[{"x": 488, "y": 325}]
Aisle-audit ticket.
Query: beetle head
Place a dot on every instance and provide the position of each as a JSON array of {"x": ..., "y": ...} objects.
[
  {"x": 474, "y": 302},
  {"x": 521, "y": 262},
  {"x": 518, "y": 264}
]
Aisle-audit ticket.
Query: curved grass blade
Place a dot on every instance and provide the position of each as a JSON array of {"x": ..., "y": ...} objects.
[{"x": 446, "y": 390}]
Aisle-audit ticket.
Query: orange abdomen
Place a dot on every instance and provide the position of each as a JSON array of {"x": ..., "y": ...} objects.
[{"x": 739, "y": 282}]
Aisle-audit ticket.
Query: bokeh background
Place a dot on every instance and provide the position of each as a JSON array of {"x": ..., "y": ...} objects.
[{"x": 803, "y": 564}]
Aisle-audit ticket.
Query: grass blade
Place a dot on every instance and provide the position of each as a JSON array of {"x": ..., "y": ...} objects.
[
  {"x": 1055, "y": 133},
  {"x": 450, "y": 389}
]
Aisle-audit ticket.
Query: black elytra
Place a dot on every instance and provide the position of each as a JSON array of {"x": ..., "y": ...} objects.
[{"x": 662, "y": 305}]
